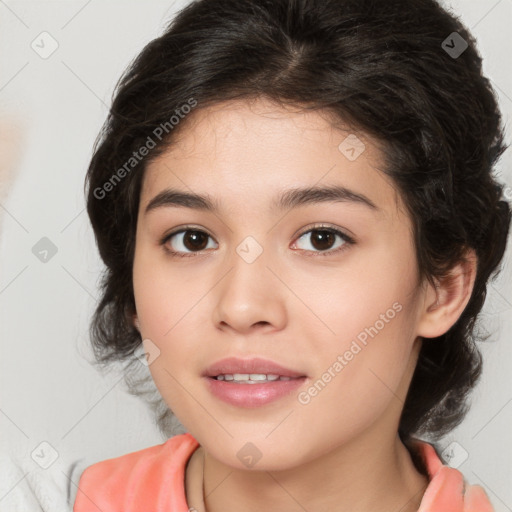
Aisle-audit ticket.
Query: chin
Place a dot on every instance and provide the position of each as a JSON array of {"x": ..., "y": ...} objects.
[{"x": 256, "y": 455}]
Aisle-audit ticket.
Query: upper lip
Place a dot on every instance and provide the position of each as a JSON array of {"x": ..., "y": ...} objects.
[{"x": 232, "y": 365}]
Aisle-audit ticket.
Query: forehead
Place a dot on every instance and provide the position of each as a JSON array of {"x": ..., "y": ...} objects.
[{"x": 249, "y": 150}]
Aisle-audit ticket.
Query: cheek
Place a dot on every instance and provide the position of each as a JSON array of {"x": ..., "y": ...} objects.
[
  {"x": 374, "y": 298},
  {"x": 174, "y": 371},
  {"x": 357, "y": 381},
  {"x": 372, "y": 314},
  {"x": 165, "y": 301},
  {"x": 162, "y": 295}
]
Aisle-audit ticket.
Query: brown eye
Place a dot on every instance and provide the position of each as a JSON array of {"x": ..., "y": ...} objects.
[
  {"x": 323, "y": 240},
  {"x": 195, "y": 240},
  {"x": 187, "y": 240}
]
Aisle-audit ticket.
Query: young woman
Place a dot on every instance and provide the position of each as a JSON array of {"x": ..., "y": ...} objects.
[{"x": 295, "y": 204}]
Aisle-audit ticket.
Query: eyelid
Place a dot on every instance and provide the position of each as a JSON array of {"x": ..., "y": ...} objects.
[
  {"x": 329, "y": 227},
  {"x": 181, "y": 229}
]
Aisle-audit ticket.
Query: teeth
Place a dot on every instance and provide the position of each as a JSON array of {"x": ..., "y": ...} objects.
[{"x": 251, "y": 378}]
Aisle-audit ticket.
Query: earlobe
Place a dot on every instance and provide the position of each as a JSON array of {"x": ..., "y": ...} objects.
[
  {"x": 136, "y": 322},
  {"x": 445, "y": 302}
]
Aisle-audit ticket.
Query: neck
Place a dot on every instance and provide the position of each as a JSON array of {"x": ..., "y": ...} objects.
[{"x": 346, "y": 479}]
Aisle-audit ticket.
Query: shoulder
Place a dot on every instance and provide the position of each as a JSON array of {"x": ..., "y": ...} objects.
[
  {"x": 447, "y": 489},
  {"x": 136, "y": 480}
]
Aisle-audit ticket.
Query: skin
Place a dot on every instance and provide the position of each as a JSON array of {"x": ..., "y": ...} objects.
[{"x": 293, "y": 305}]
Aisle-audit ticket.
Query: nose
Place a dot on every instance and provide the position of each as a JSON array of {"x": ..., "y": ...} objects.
[{"x": 250, "y": 298}]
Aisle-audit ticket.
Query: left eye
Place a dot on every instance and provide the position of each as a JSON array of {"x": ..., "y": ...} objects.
[{"x": 322, "y": 239}]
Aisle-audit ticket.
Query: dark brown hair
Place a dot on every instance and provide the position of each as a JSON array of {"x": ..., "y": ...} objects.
[{"x": 388, "y": 69}]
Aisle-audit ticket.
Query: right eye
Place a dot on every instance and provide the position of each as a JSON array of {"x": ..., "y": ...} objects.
[{"x": 186, "y": 239}]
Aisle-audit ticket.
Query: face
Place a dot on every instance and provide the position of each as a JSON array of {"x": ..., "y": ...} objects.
[{"x": 324, "y": 285}]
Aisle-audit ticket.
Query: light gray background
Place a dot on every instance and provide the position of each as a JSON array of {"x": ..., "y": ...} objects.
[{"x": 50, "y": 113}]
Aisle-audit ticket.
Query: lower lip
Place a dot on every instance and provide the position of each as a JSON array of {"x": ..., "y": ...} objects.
[{"x": 252, "y": 395}]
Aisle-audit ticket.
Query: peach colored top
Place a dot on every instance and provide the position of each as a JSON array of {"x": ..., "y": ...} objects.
[{"x": 153, "y": 480}]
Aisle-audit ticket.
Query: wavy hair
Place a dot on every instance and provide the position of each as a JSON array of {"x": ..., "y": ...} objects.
[{"x": 383, "y": 68}]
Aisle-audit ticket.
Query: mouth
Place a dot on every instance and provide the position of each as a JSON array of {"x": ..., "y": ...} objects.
[
  {"x": 251, "y": 378},
  {"x": 251, "y": 382},
  {"x": 250, "y": 370}
]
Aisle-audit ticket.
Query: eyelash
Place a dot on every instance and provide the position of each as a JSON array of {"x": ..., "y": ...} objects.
[{"x": 347, "y": 239}]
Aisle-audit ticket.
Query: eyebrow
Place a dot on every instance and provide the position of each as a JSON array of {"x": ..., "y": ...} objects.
[{"x": 291, "y": 198}]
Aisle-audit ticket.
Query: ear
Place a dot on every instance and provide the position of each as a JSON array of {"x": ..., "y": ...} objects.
[
  {"x": 136, "y": 322},
  {"x": 445, "y": 302}
]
